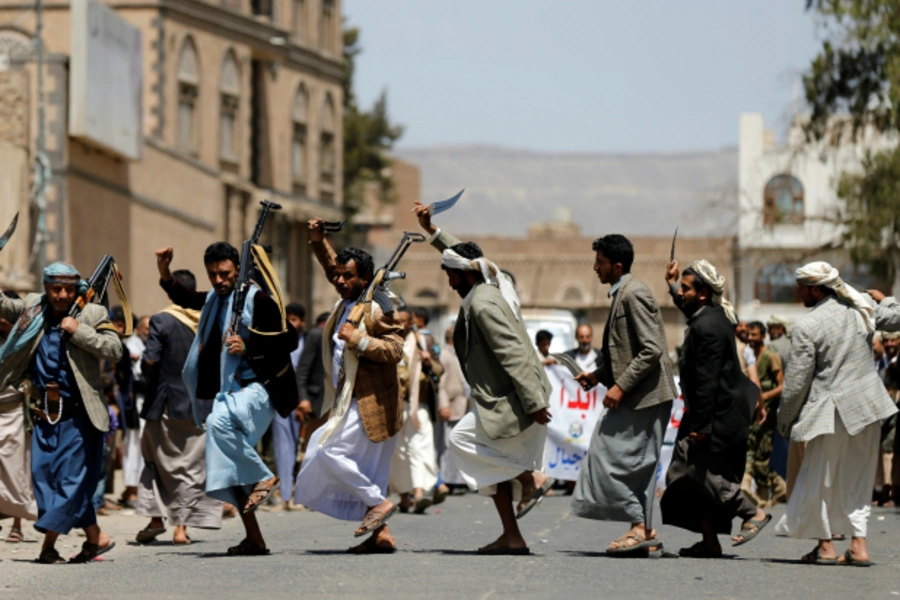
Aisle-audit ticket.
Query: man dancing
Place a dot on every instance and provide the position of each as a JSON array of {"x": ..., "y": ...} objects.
[
  {"x": 217, "y": 369},
  {"x": 498, "y": 448},
  {"x": 347, "y": 464},
  {"x": 703, "y": 485},
  {"x": 834, "y": 400},
  {"x": 61, "y": 356},
  {"x": 617, "y": 481}
]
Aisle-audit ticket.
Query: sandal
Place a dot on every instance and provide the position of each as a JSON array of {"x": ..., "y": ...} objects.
[
  {"x": 749, "y": 529},
  {"x": 246, "y": 548},
  {"x": 422, "y": 505},
  {"x": 88, "y": 553},
  {"x": 261, "y": 492},
  {"x": 849, "y": 561},
  {"x": 147, "y": 534},
  {"x": 698, "y": 550},
  {"x": 15, "y": 536},
  {"x": 370, "y": 546},
  {"x": 641, "y": 543},
  {"x": 50, "y": 557},
  {"x": 500, "y": 547},
  {"x": 535, "y": 498},
  {"x": 370, "y": 522},
  {"x": 814, "y": 558}
]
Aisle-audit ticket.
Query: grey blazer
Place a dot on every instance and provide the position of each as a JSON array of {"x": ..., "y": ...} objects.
[
  {"x": 831, "y": 369},
  {"x": 634, "y": 353},
  {"x": 507, "y": 380}
]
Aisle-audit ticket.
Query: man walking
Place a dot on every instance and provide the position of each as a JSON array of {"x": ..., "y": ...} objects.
[
  {"x": 347, "y": 464},
  {"x": 499, "y": 448},
  {"x": 286, "y": 430},
  {"x": 834, "y": 401},
  {"x": 173, "y": 481},
  {"x": 61, "y": 356},
  {"x": 217, "y": 370},
  {"x": 617, "y": 481},
  {"x": 703, "y": 484}
]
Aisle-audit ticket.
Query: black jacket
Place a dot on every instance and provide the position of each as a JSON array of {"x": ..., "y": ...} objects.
[
  {"x": 311, "y": 372},
  {"x": 719, "y": 399},
  {"x": 167, "y": 349}
]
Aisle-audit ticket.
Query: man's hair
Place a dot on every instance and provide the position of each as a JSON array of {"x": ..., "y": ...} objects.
[
  {"x": 117, "y": 313},
  {"x": 365, "y": 266},
  {"x": 617, "y": 249},
  {"x": 448, "y": 334},
  {"x": 699, "y": 284},
  {"x": 758, "y": 325},
  {"x": 543, "y": 336},
  {"x": 421, "y": 312},
  {"x": 469, "y": 251},
  {"x": 12, "y": 295},
  {"x": 322, "y": 318},
  {"x": 296, "y": 309},
  {"x": 221, "y": 251},
  {"x": 186, "y": 279}
]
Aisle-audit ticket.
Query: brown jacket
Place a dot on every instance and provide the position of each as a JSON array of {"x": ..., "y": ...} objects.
[{"x": 376, "y": 388}]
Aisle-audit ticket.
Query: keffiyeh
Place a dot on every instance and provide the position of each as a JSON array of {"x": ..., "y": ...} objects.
[
  {"x": 822, "y": 273},
  {"x": 491, "y": 273},
  {"x": 711, "y": 277}
]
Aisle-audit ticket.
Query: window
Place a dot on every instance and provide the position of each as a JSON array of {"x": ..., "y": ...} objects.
[
  {"x": 262, "y": 8},
  {"x": 573, "y": 295},
  {"x": 188, "y": 91},
  {"x": 299, "y": 20},
  {"x": 783, "y": 201},
  {"x": 298, "y": 141},
  {"x": 328, "y": 152},
  {"x": 230, "y": 94},
  {"x": 776, "y": 284},
  {"x": 327, "y": 26}
]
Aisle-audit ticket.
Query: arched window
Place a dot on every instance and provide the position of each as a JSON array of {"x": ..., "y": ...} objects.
[
  {"x": 299, "y": 21},
  {"x": 327, "y": 148},
  {"x": 573, "y": 295},
  {"x": 14, "y": 44},
  {"x": 298, "y": 140},
  {"x": 783, "y": 201},
  {"x": 776, "y": 284},
  {"x": 188, "y": 91},
  {"x": 230, "y": 94},
  {"x": 327, "y": 26}
]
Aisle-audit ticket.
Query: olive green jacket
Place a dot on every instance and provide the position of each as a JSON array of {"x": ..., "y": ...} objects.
[{"x": 508, "y": 381}]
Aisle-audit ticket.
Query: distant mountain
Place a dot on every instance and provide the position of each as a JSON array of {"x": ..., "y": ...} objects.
[{"x": 633, "y": 194}]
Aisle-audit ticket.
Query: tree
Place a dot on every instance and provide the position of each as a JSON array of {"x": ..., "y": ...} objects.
[
  {"x": 368, "y": 137},
  {"x": 853, "y": 85}
]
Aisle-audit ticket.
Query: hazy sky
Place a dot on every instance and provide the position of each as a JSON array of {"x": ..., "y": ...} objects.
[{"x": 582, "y": 75}]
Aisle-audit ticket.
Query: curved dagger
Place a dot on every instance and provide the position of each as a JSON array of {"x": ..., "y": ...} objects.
[
  {"x": 438, "y": 207},
  {"x": 9, "y": 231}
]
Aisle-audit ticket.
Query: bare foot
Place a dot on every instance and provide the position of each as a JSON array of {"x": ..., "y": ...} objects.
[
  {"x": 380, "y": 542},
  {"x": 180, "y": 536}
]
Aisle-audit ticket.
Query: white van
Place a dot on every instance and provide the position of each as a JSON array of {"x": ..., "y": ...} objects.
[{"x": 561, "y": 323}]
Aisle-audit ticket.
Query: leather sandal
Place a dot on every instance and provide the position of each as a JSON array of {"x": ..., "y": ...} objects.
[
  {"x": 261, "y": 492},
  {"x": 88, "y": 553},
  {"x": 50, "y": 557}
]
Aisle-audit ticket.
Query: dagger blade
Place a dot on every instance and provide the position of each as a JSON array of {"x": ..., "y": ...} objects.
[
  {"x": 9, "y": 231},
  {"x": 672, "y": 253},
  {"x": 438, "y": 207}
]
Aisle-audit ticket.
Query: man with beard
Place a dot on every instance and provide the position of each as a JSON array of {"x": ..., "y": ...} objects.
[
  {"x": 834, "y": 401},
  {"x": 585, "y": 355},
  {"x": 498, "y": 448},
  {"x": 347, "y": 464},
  {"x": 61, "y": 356},
  {"x": 779, "y": 338},
  {"x": 217, "y": 369},
  {"x": 703, "y": 484},
  {"x": 617, "y": 481},
  {"x": 770, "y": 487}
]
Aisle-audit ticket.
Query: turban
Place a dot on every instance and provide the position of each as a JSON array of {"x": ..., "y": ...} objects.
[
  {"x": 892, "y": 335},
  {"x": 490, "y": 272},
  {"x": 821, "y": 273},
  {"x": 716, "y": 282},
  {"x": 64, "y": 273},
  {"x": 782, "y": 321}
]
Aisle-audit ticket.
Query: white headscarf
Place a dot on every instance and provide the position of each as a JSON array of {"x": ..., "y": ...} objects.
[
  {"x": 490, "y": 272},
  {"x": 711, "y": 277},
  {"x": 821, "y": 273}
]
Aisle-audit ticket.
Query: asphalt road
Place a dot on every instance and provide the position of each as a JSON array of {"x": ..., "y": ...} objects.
[{"x": 436, "y": 560}]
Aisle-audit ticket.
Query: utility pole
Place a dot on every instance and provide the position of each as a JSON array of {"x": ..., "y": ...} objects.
[{"x": 42, "y": 167}]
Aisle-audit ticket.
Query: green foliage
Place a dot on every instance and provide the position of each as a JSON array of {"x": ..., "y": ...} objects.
[
  {"x": 368, "y": 137},
  {"x": 856, "y": 75}
]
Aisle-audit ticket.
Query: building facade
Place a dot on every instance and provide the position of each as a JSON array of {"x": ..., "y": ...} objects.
[
  {"x": 789, "y": 213},
  {"x": 240, "y": 101}
]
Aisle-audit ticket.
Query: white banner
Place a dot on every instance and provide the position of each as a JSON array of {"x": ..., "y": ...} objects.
[
  {"x": 575, "y": 415},
  {"x": 668, "y": 447}
]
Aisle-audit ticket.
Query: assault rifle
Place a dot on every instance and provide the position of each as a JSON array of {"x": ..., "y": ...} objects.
[
  {"x": 384, "y": 276},
  {"x": 97, "y": 285},
  {"x": 245, "y": 273}
]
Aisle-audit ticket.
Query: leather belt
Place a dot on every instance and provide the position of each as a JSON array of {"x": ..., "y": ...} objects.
[{"x": 49, "y": 400}]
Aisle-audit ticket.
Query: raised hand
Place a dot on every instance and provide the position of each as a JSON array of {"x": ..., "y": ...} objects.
[
  {"x": 164, "y": 258},
  {"x": 424, "y": 217},
  {"x": 316, "y": 229}
]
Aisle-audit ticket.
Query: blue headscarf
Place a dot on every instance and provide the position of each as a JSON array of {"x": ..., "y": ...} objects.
[{"x": 31, "y": 322}]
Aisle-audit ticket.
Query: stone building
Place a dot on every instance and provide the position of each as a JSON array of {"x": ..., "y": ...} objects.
[
  {"x": 239, "y": 101},
  {"x": 552, "y": 265},
  {"x": 789, "y": 212}
]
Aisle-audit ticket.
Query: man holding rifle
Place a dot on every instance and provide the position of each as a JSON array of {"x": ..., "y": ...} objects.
[
  {"x": 345, "y": 472},
  {"x": 218, "y": 369},
  {"x": 60, "y": 354}
]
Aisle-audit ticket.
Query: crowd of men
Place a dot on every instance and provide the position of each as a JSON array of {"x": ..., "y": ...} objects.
[{"x": 801, "y": 413}]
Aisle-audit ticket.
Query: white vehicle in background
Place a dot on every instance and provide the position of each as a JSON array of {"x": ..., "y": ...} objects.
[{"x": 561, "y": 323}]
